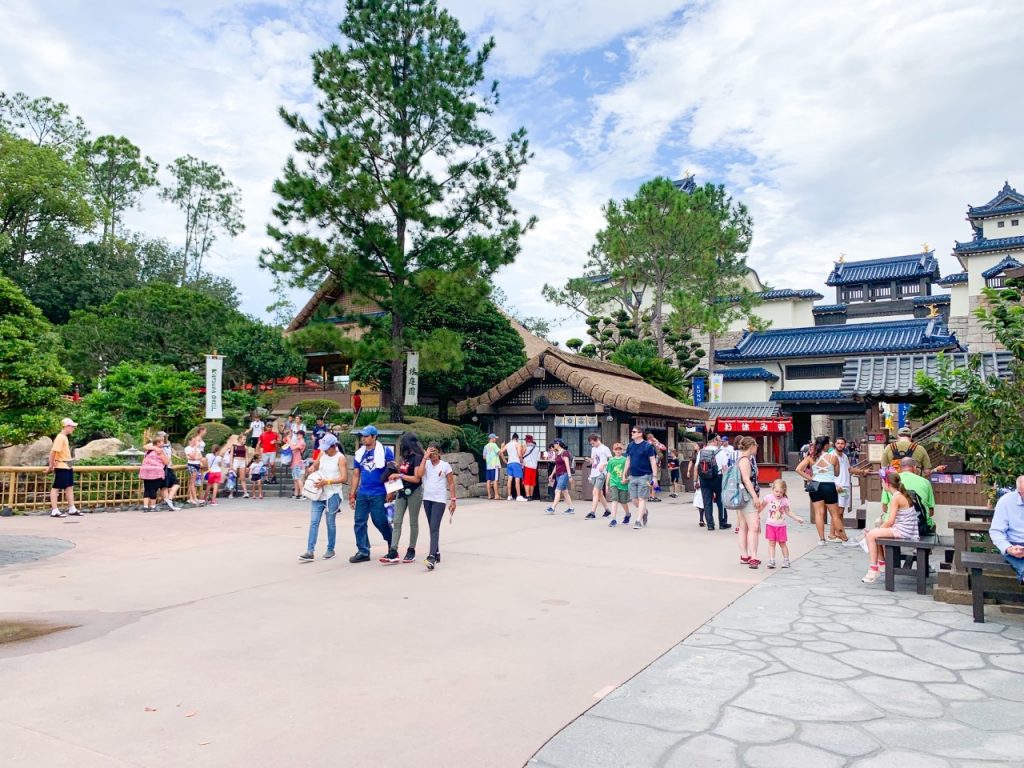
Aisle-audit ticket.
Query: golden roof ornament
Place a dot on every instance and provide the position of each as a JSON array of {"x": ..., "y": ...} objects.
[
  {"x": 842, "y": 258},
  {"x": 933, "y": 310},
  {"x": 925, "y": 248}
]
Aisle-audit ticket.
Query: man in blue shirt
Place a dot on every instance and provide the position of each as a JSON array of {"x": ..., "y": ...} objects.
[
  {"x": 1007, "y": 529},
  {"x": 641, "y": 467},
  {"x": 319, "y": 430},
  {"x": 369, "y": 468}
]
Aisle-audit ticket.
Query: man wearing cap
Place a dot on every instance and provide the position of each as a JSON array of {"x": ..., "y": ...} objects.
[
  {"x": 492, "y": 460},
  {"x": 331, "y": 466},
  {"x": 367, "y": 494},
  {"x": 63, "y": 476},
  {"x": 904, "y": 447},
  {"x": 531, "y": 458}
]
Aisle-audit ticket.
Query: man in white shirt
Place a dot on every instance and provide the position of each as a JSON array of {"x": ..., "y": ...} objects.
[
  {"x": 256, "y": 427},
  {"x": 844, "y": 483},
  {"x": 513, "y": 451},
  {"x": 599, "y": 456},
  {"x": 1007, "y": 529}
]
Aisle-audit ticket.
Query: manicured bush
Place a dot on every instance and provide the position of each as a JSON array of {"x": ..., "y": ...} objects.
[{"x": 216, "y": 433}]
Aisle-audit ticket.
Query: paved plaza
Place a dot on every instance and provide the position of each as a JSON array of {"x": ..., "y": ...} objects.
[{"x": 202, "y": 641}]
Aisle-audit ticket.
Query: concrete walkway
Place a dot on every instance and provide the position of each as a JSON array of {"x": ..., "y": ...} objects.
[{"x": 812, "y": 668}]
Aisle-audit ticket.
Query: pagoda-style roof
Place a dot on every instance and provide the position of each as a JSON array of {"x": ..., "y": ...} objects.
[
  {"x": 1007, "y": 201},
  {"x": 747, "y": 374},
  {"x": 785, "y": 294},
  {"x": 686, "y": 184},
  {"x": 957, "y": 278},
  {"x": 606, "y": 383},
  {"x": 935, "y": 298},
  {"x": 807, "y": 396},
  {"x": 830, "y": 309},
  {"x": 896, "y": 375},
  {"x": 743, "y": 410},
  {"x": 915, "y": 265},
  {"x": 922, "y": 335},
  {"x": 1007, "y": 263},
  {"x": 988, "y": 244}
]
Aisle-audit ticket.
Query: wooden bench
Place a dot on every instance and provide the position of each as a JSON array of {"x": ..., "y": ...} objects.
[
  {"x": 978, "y": 513},
  {"x": 912, "y": 564},
  {"x": 983, "y": 566}
]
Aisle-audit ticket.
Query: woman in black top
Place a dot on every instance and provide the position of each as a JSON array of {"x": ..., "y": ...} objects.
[{"x": 410, "y": 472}]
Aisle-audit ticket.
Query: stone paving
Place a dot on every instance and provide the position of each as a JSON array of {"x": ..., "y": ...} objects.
[
  {"x": 25, "y": 549},
  {"x": 813, "y": 668}
]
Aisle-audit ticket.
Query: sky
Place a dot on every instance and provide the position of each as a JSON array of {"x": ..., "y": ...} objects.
[{"x": 856, "y": 126}]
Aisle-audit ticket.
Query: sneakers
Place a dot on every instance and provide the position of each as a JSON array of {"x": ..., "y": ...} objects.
[
  {"x": 590, "y": 516},
  {"x": 509, "y": 498},
  {"x": 58, "y": 513},
  {"x": 645, "y": 519},
  {"x": 410, "y": 556},
  {"x": 771, "y": 563},
  {"x": 744, "y": 559},
  {"x": 306, "y": 557},
  {"x": 74, "y": 512},
  {"x": 754, "y": 562},
  {"x": 245, "y": 495},
  {"x": 359, "y": 557},
  {"x": 701, "y": 523},
  {"x": 569, "y": 511},
  {"x": 822, "y": 542},
  {"x": 725, "y": 526},
  {"x": 521, "y": 498},
  {"x": 785, "y": 563},
  {"x": 637, "y": 525},
  {"x": 437, "y": 558},
  {"x": 871, "y": 576},
  {"x": 613, "y": 523},
  {"x": 328, "y": 554},
  {"x": 607, "y": 512},
  {"x": 550, "y": 510},
  {"x": 672, "y": 495},
  {"x": 625, "y": 520},
  {"x": 390, "y": 558},
  {"x": 170, "y": 505},
  {"x": 429, "y": 562}
]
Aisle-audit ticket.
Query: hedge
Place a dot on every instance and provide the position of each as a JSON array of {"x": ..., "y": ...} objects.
[{"x": 216, "y": 433}]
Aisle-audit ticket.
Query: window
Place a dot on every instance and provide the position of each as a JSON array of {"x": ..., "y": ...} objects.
[
  {"x": 910, "y": 289},
  {"x": 817, "y": 371},
  {"x": 994, "y": 282},
  {"x": 1015, "y": 223},
  {"x": 538, "y": 431},
  {"x": 881, "y": 291},
  {"x": 1001, "y": 224},
  {"x": 854, "y": 294}
]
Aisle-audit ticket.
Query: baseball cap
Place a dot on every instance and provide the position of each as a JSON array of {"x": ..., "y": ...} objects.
[
  {"x": 368, "y": 431},
  {"x": 492, "y": 436},
  {"x": 529, "y": 438},
  {"x": 328, "y": 441},
  {"x": 68, "y": 423},
  {"x": 905, "y": 432}
]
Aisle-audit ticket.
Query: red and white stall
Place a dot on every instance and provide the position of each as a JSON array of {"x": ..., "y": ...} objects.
[{"x": 770, "y": 434}]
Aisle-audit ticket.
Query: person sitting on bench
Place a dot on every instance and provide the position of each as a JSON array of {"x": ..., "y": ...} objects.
[
  {"x": 900, "y": 521},
  {"x": 1007, "y": 529}
]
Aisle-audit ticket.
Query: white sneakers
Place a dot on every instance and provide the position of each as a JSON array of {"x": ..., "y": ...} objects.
[
  {"x": 509, "y": 498},
  {"x": 57, "y": 513},
  {"x": 522, "y": 498}
]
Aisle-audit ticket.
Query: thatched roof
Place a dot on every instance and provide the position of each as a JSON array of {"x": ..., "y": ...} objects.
[
  {"x": 532, "y": 343},
  {"x": 605, "y": 383}
]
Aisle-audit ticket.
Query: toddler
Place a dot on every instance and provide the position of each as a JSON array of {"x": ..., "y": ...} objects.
[
  {"x": 776, "y": 504},
  {"x": 256, "y": 470}
]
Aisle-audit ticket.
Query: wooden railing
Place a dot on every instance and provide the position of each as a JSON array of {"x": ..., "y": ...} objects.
[{"x": 25, "y": 489}]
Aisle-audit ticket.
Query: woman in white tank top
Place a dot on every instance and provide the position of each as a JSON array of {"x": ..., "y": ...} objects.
[{"x": 333, "y": 474}]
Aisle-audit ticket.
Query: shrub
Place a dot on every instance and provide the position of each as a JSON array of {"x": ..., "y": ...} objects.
[
  {"x": 216, "y": 433},
  {"x": 310, "y": 409},
  {"x": 429, "y": 430},
  {"x": 473, "y": 439},
  {"x": 421, "y": 411},
  {"x": 371, "y": 416},
  {"x": 272, "y": 397}
]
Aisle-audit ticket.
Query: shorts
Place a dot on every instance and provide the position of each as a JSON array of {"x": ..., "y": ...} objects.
[
  {"x": 826, "y": 492},
  {"x": 562, "y": 482},
  {"x": 674, "y": 475},
  {"x": 238, "y": 463},
  {"x": 213, "y": 477},
  {"x": 194, "y": 470},
  {"x": 515, "y": 469},
  {"x": 151, "y": 488},
  {"x": 298, "y": 471},
  {"x": 492, "y": 475},
  {"x": 268, "y": 458},
  {"x": 253, "y": 442},
  {"x": 639, "y": 487},
  {"x": 530, "y": 476},
  {"x": 777, "y": 533},
  {"x": 620, "y": 495},
  {"x": 598, "y": 481},
  {"x": 63, "y": 478},
  {"x": 170, "y": 478}
]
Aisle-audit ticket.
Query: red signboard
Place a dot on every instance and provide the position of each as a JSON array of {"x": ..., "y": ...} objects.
[{"x": 754, "y": 426}]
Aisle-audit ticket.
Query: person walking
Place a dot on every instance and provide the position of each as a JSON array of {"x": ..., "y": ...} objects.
[
  {"x": 561, "y": 477},
  {"x": 776, "y": 532},
  {"x": 297, "y": 464},
  {"x": 438, "y": 491},
  {"x": 673, "y": 473},
  {"x": 599, "y": 457},
  {"x": 820, "y": 469},
  {"x": 239, "y": 456},
  {"x": 357, "y": 406},
  {"x": 711, "y": 463},
  {"x": 616, "y": 485},
  {"x": 59, "y": 464},
  {"x": 171, "y": 482},
  {"x": 1007, "y": 528},
  {"x": 531, "y": 459},
  {"x": 215, "y": 471},
  {"x": 900, "y": 522},
  {"x": 513, "y": 451},
  {"x": 372, "y": 463},
  {"x": 194, "y": 467},
  {"x": 152, "y": 472},
  {"x": 333, "y": 474},
  {"x": 748, "y": 516},
  {"x": 641, "y": 467},
  {"x": 409, "y": 499},
  {"x": 492, "y": 462}
]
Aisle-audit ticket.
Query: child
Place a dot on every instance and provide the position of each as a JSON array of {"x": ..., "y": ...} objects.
[
  {"x": 214, "y": 474},
  {"x": 698, "y": 499},
  {"x": 673, "y": 471},
  {"x": 256, "y": 476},
  {"x": 616, "y": 487},
  {"x": 777, "y": 505}
]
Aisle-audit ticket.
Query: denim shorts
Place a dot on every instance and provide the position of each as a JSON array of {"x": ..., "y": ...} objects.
[
  {"x": 298, "y": 471},
  {"x": 561, "y": 482},
  {"x": 639, "y": 487}
]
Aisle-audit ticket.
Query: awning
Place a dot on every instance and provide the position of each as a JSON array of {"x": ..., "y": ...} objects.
[
  {"x": 754, "y": 426},
  {"x": 760, "y": 410}
]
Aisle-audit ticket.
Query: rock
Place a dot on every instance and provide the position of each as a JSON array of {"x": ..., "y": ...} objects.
[
  {"x": 108, "y": 446},
  {"x": 35, "y": 454}
]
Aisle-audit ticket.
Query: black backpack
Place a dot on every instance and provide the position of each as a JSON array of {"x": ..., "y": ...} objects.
[
  {"x": 707, "y": 467},
  {"x": 898, "y": 454},
  {"x": 925, "y": 526}
]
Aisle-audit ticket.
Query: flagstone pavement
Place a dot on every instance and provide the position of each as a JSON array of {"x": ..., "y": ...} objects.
[{"x": 813, "y": 668}]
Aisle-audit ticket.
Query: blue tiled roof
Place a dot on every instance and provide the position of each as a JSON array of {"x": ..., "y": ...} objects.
[
  {"x": 747, "y": 374},
  {"x": 789, "y": 293},
  {"x": 742, "y": 410},
  {"x": 922, "y": 335},
  {"x": 687, "y": 184},
  {"x": 807, "y": 395},
  {"x": 982, "y": 244},
  {"x": 830, "y": 309},
  {"x": 1008, "y": 263},
  {"x": 894, "y": 268},
  {"x": 924, "y": 301},
  {"x": 1008, "y": 200},
  {"x": 955, "y": 279}
]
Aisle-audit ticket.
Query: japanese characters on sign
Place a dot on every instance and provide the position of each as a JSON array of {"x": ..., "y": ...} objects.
[{"x": 754, "y": 426}]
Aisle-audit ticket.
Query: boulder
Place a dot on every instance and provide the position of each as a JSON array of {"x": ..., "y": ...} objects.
[
  {"x": 108, "y": 446},
  {"x": 35, "y": 454}
]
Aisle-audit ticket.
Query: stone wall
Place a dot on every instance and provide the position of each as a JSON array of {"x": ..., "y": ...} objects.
[
  {"x": 820, "y": 425},
  {"x": 971, "y": 332},
  {"x": 467, "y": 474}
]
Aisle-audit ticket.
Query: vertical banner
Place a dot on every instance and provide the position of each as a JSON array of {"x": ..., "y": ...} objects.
[
  {"x": 717, "y": 383},
  {"x": 412, "y": 379},
  {"x": 902, "y": 412},
  {"x": 698, "y": 391},
  {"x": 214, "y": 369}
]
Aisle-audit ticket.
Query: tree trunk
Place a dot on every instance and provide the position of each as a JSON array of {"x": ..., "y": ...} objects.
[
  {"x": 442, "y": 406},
  {"x": 657, "y": 322},
  {"x": 397, "y": 371},
  {"x": 711, "y": 358}
]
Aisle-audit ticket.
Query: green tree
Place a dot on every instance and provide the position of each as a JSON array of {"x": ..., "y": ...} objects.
[
  {"x": 398, "y": 187},
  {"x": 642, "y": 358},
  {"x": 118, "y": 176},
  {"x": 43, "y": 122},
  {"x": 212, "y": 205},
  {"x": 32, "y": 380},
  {"x": 255, "y": 353}
]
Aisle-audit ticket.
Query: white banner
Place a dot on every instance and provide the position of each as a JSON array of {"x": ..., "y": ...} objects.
[
  {"x": 717, "y": 382},
  {"x": 214, "y": 369},
  {"x": 412, "y": 379}
]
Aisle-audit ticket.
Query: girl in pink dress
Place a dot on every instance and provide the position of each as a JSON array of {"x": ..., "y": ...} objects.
[{"x": 776, "y": 504}]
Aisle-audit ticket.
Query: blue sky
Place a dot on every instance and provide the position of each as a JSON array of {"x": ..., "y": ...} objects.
[{"x": 863, "y": 127}]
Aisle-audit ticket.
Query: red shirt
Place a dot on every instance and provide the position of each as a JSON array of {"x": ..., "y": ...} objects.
[{"x": 268, "y": 442}]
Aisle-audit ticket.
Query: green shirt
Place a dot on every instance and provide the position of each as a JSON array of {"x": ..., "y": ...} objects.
[
  {"x": 919, "y": 485},
  {"x": 615, "y": 466},
  {"x": 491, "y": 455}
]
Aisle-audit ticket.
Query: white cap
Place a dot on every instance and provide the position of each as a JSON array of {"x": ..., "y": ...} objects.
[{"x": 68, "y": 423}]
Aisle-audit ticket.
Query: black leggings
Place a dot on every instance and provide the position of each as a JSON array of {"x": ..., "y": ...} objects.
[{"x": 435, "y": 516}]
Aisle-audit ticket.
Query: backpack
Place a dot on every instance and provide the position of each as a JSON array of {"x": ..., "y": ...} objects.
[
  {"x": 734, "y": 495},
  {"x": 898, "y": 454},
  {"x": 707, "y": 466},
  {"x": 925, "y": 525}
]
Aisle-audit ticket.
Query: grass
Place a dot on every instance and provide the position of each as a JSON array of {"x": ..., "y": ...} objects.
[{"x": 17, "y": 631}]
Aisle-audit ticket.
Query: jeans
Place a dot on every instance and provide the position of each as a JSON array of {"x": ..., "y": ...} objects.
[
  {"x": 316, "y": 511},
  {"x": 435, "y": 516},
  {"x": 712, "y": 489},
  {"x": 411, "y": 502},
  {"x": 1017, "y": 563},
  {"x": 372, "y": 508}
]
